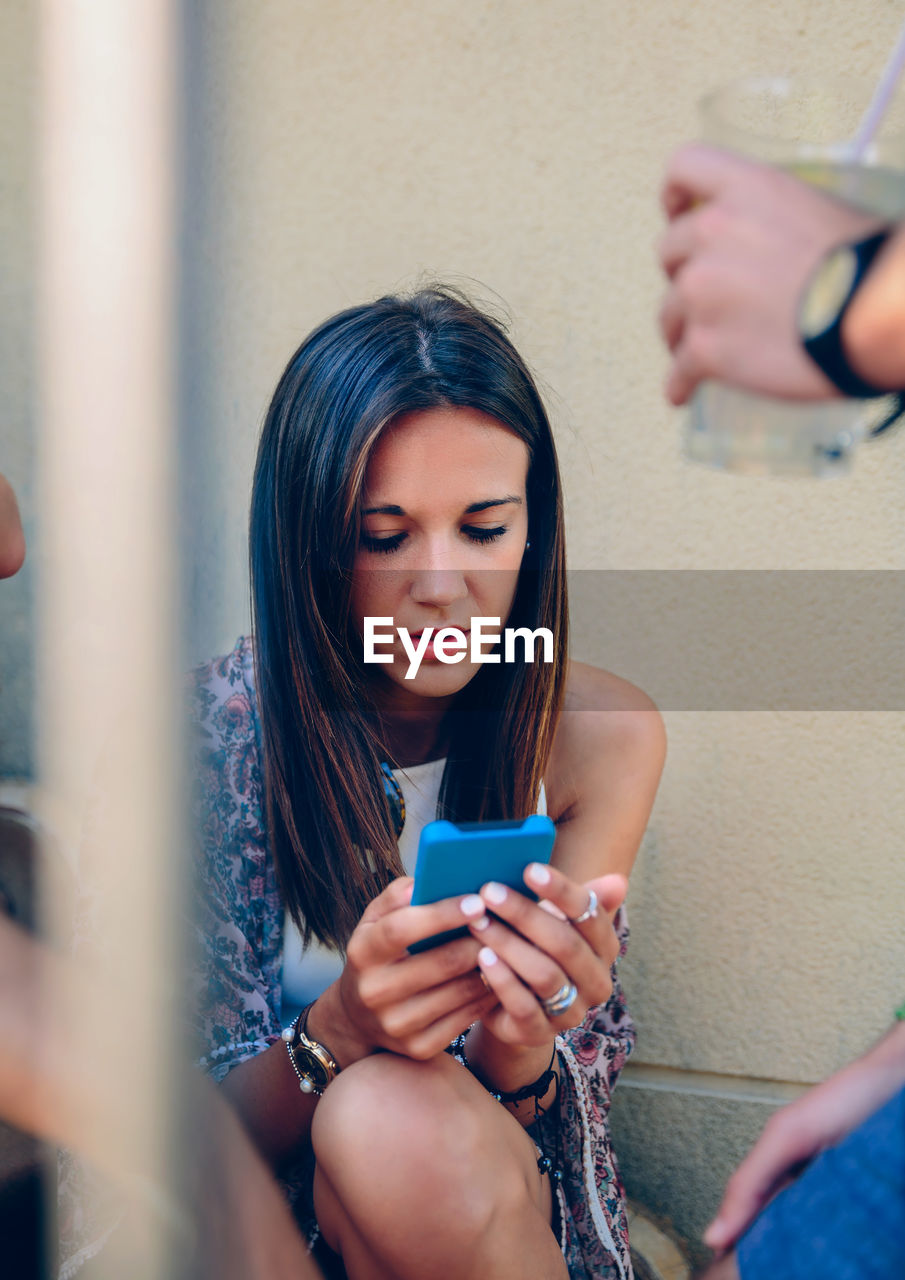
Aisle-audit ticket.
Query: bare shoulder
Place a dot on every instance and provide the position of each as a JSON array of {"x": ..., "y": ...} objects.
[
  {"x": 602, "y": 711},
  {"x": 593, "y": 689},
  {"x": 606, "y": 762}
]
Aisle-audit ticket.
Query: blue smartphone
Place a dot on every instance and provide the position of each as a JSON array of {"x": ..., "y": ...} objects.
[{"x": 455, "y": 858}]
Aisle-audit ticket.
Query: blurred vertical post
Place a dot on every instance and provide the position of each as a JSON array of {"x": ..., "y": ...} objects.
[{"x": 108, "y": 598}]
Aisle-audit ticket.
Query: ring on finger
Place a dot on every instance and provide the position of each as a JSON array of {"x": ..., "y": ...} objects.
[
  {"x": 590, "y": 911},
  {"x": 561, "y": 1001},
  {"x": 483, "y": 978}
]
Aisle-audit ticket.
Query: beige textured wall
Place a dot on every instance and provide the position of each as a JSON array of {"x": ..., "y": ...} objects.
[{"x": 349, "y": 148}]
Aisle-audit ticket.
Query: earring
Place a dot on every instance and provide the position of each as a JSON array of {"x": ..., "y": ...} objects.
[{"x": 527, "y": 546}]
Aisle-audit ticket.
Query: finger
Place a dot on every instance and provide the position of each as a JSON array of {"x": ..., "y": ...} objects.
[
  {"x": 395, "y": 895},
  {"x": 533, "y": 967},
  {"x": 611, "y": 891},
  {"x": 434, "y": 1039},
  {"x": 408, "y": 1018},
  {"x": 386, "y": 984},
  {"x": 687, "y": 370},
  {"x": 749, "y": 1189},
  {"x": 677, "y": 244},
  {"x": 571, "y": 897},
  {"x": 672, "y": 319},
  {"x": 526, "y": 1021},
  {"x": 389, "y": 935},
  {"x": 578, "y": 952},
  {"x": 698, "y": 172}
]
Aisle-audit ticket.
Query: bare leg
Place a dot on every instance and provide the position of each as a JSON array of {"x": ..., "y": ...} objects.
[{"x": 421, "y": 1174}]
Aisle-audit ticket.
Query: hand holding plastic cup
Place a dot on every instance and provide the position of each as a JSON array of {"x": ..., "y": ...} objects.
[{"x": 812, "y": 130}]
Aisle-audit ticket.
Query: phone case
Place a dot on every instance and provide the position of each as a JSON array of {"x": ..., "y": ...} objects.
[{"x": 459, "y": 858}]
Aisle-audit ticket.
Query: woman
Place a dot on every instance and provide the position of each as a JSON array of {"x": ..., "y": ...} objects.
[{"x": 406, "y": 471}]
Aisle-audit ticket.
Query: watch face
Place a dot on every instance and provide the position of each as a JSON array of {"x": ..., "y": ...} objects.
[
  {"x": 313, "y": 1068},
  {"x": 828, "y": 290}
]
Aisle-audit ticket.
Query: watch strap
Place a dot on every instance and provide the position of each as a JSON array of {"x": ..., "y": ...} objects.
[
  {"x": 294, "y": 1037},
  {"x": 825, "y": 348}
]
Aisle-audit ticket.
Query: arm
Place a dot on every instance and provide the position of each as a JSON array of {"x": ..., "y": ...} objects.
[
  {"x": 601, "y": 782},
  {"x": 742, "y": 241},
  {"x": 799, "y": 1131},
  {"x": 386, "y": 999},
  {"x": 603, "y": 774},
  {"x": 873, "y": 328}
]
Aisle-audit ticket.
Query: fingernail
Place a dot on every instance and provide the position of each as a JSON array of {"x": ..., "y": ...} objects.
[
  {"x": 473, "y": 905},
  {"x": 494, "y": 893},
  {"x": 715, "y": 1233},
  {"x": 486, "y": 957},
  {"x": 539, "y": 873},
  {"x": 481, "y": 924}
]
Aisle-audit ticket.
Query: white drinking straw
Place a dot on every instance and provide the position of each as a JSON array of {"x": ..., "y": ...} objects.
[{"x": 880, "y": 101}]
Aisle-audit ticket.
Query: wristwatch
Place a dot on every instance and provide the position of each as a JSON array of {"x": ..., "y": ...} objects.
[
  {"x": 825, "y": 300},
  {"x": 312, "y": 1062}
]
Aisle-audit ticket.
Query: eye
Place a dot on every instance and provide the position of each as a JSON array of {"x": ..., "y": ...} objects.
[
  {"x": 384, "y": 546},
  {"x": 479, "y": 534}
]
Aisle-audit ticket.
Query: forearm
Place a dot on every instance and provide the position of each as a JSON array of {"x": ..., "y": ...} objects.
[
  {"x": 265, "y": 1089},
  {"x": 873, "y": 328},
  {"x": 506, "y": 1068},
  {"x": 883, "y": 1065}
]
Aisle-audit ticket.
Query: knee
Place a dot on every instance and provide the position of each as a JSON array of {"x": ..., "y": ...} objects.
[
  {"x": 398, "y": 1125},
  {"x": 387, "y": 1103}
]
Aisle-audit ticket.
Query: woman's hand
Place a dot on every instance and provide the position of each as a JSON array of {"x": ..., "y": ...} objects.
[
  {"x": 388, "y": 999},
  {"x": 800, "y": 1130},
  {"x": 533, "y": 951}
]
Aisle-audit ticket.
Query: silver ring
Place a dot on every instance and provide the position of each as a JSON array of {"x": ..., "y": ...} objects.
[
  {"x": 590, "y": 911},
  {"x": 561, "y": 1001}
]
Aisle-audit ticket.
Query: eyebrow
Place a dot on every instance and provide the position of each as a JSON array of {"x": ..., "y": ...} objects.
[{"x": 392, "y": 510}]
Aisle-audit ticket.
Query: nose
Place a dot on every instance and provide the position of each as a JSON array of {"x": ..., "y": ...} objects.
[{"x": 439, "y": 582}]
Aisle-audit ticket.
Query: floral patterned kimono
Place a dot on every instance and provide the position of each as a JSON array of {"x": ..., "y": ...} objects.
[{"x": 239, "y": 1010}]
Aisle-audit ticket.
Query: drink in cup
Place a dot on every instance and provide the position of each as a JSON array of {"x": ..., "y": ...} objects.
[{"x": 805, "y": 129}]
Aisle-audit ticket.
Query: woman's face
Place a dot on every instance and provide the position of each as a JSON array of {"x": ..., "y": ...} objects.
[{"x": 444, "y": 524}]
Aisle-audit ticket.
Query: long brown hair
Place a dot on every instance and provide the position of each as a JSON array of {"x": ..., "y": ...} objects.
[{"x": 329, "y": 819}]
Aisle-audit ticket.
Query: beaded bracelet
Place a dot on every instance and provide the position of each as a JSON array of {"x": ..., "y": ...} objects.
[
  {"x": 288, "y": 1036},
  {"x": 535, "y": 1090}
]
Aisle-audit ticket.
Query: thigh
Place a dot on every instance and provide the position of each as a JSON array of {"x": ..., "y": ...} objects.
[
  {"x": 424, "y": 1147},
  {"x": 843, "y": 1217}
]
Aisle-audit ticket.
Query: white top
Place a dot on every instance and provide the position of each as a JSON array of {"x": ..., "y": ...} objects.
[{"x": 308, "y": 972}]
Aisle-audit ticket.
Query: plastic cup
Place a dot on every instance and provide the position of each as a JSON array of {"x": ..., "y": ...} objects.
[{"x": 805, "y": 128}]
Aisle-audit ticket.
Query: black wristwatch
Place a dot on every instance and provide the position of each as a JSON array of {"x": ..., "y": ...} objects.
[
  {"x": 313, "y": 1062},
  {"x": 823, "y": 305}
]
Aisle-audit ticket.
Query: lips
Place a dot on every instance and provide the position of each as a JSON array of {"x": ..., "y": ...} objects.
[
  {"x": 430, "y": 653},
  {"x": 415, "y": 636}
]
